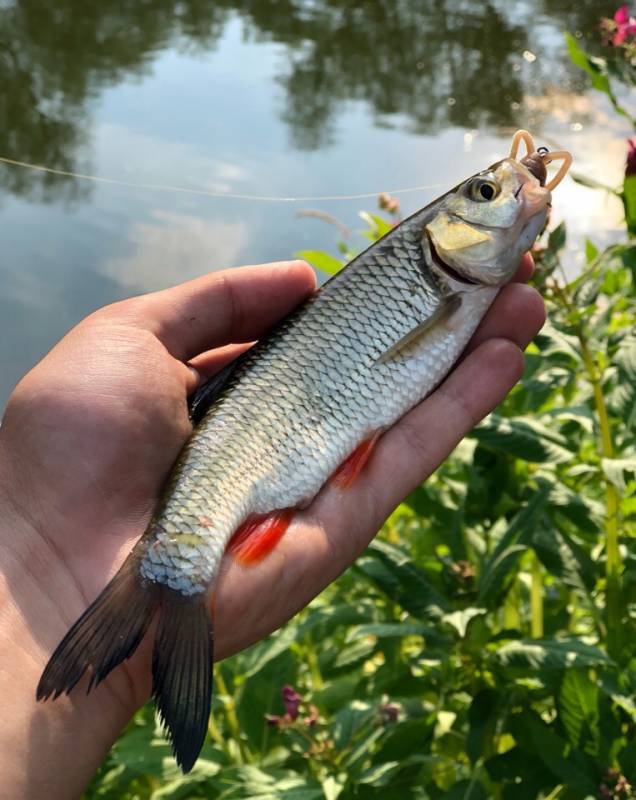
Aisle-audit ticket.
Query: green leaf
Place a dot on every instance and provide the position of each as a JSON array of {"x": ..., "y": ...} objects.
[
  {"x": 610, "y": 685},
  {"x": 262, "y": 695},
  {"x": 591, "y": 251},
  {"x": 482, "y": 718},
  {"x": 408, "y": 737},
  {"x": 354, "y": 653},
  {"x": 183, "y": 785},
  {"x": 547, "y": 654},
  {"x": 259, "y": 655},
  {"x": 461, "y": 619},
  {"x": 337, "y": 692},
  {"x": 614, "y": 469},
  {"x": 563, "y": 558},
  {"x": 553, "y": 749},
  {"x": 595, "y": 67},
  {"x": 380, "y": 774},
  {"x": 384, "y": 630},
  {"x": 625, "y": 356},
  {"x": 349, "y": 720},
  {"x": 259, "y": 784},
  {"x": 322, "y": 261},
  {"x": 466, "y": 790},
  {"x": 332, "y": 787},
  {"x": 578, "y": 704},
  {"x": 391, "y": 570},
  {"x": 379, "y": 226},
  {"x": 497, "y": 571},
  {"x": 524, "y": 438},
  {"x": 557, "y": 237},
  {"x": 502, "y": 561}
]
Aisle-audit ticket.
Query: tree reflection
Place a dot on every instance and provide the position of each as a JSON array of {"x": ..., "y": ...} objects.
[{"x": 431, "y": 63}]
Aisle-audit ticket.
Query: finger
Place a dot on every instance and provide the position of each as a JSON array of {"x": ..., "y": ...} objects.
[
  {"x": 411, "y": 450},
  {"x": 207, "y": 364},
  {"x": 236, "y": 305},
  {"x": 524, "y": 270},
  {"x": 517, "y": 313},
  {"x": 338, "y": 525}
]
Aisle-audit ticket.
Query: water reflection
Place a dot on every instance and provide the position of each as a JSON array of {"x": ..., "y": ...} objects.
[
  {"x": 429, "y": 63},
  {"x": 175, "y": 239}
]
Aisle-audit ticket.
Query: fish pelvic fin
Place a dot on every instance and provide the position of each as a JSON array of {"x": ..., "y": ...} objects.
[
  {"x": 111, "y": 629},
  {"x": 107, "y": 633},
  {"x": 258, "y": 536},
  {"x": 182, "y": 672},
  {"x": 351, "y": 468}
]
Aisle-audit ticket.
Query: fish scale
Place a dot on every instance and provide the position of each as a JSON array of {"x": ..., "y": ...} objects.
[
  {"x": 282, "y": 456},
  {"x": 302, "y": 407}
]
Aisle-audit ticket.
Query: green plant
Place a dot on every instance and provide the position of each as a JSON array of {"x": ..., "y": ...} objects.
[{"x": 484, "y": 646}]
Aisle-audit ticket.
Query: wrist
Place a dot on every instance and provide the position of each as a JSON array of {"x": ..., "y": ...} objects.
[{"x": 50, "y": 748}]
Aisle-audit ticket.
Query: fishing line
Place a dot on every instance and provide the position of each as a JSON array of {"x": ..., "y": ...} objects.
[{"x": 208, "y": 193}]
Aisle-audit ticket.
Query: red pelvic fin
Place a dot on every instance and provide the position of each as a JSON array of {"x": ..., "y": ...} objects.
[
  {"x": 348, "y": 471},
  {"x": 258, "y": 536}
]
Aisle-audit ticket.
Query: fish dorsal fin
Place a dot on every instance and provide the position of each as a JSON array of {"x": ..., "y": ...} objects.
[
  {"x": 203, "y": 396},
  {"x": 442, "y": 313}
]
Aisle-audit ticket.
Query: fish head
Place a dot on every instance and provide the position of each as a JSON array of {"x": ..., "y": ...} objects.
[{"x": 484, "y": 225}]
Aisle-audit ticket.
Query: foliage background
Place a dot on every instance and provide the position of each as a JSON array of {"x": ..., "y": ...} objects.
[{"x": 484, "y": 646}]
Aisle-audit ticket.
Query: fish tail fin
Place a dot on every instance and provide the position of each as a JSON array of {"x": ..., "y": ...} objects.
[
  {"x": 182, "y": 672},
  {"x": 107, "y": 633},
  {"x": 110, "y": 630}
]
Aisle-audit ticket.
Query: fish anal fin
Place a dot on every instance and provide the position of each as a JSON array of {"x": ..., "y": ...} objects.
[
  {"x": 347, "y": 473},
  {"x": 441, "y": 316},
  {"x": 258, "y": 535}
]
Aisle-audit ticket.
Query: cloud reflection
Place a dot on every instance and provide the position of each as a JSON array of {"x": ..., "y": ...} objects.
[{"x": 176, "y": 247}]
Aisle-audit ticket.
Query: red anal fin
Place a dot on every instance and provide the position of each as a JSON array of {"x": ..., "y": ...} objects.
[
  {"x": 348, "y": 471},
  {"x": 258, "y": 536}
]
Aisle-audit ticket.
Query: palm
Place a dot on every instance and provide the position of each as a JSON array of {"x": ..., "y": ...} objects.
[{"x": 91, "y": 433}]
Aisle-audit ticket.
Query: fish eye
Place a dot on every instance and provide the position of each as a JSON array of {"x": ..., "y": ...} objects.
[{"x": 483, "y": 190}]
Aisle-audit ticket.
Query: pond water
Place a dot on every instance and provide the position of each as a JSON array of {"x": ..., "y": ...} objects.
[{"x": 281, "y": 98}]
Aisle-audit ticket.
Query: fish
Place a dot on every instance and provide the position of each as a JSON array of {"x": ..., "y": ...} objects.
[{"x": 304, "y": 406}]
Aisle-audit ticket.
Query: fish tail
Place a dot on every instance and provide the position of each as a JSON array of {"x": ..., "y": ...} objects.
[
  {"x": 111, "y": 629},
  {"x": 182, "y": 672}
]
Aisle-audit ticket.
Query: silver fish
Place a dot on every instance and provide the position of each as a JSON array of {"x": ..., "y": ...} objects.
[{"x": 276, "y": 424}]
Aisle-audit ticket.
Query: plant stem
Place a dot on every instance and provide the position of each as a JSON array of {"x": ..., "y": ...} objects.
[
  {"x": 314, "y": 668},
  {"x": 613, "y": 563},
  {"x": 232, "y": 719},
  {"x": 536, "y": 599},
  {"x": 512, "y": 618},
  {"x": 215, "y": 733}
]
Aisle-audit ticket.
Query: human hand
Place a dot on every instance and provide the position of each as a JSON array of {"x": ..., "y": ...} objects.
[{"x": 88, "y": 438}]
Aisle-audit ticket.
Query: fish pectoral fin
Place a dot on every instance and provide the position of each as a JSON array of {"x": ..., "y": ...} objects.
[
  {"x": 440, "y": 316},
  {"x": 347, "y": 473},
  {"x": 258, "y": 535}
]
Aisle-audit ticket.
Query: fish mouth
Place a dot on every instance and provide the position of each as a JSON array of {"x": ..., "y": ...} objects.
[{"x": 451, "y": 272}]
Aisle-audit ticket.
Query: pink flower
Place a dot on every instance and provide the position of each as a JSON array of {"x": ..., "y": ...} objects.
[
  {"x": 291, "y": 701},
  {"x": 625, "y": 26},
  {"x": 622, "y": 15},
  {"x": 630, "y": 164}
]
